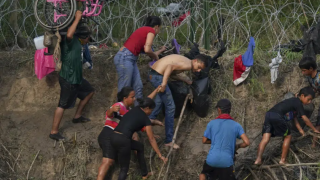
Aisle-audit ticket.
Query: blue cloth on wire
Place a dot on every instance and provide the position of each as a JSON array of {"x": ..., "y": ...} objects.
[
  {"x": 247, "y": 57},
  {"x": 87, "y": 61}
]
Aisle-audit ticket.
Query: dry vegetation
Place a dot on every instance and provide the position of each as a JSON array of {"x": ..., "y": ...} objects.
[{"x": 27, "y": 152}]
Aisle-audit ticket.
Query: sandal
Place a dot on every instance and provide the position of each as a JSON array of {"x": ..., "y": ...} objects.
[{"x": 81, "y": 119}]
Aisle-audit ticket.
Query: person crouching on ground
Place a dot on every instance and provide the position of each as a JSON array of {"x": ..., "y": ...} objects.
[
  {"x": 171, "y": 66},
  {"x": 222, "y": 133},
  {"x": 276, "y": 125},
  {"x": 72, "y": 84},
  {"x": 308, "y": 67},
  {"x": 126, "y": 98},
  {"x": 121, "y": 139},
  {"x": 126, "y": 59}
]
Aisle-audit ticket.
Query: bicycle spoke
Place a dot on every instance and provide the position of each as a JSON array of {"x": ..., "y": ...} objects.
[{"x": 53, "y": 14}]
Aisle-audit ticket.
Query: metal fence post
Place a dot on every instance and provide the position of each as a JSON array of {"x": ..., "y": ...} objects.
[{"x": 206, "y": 25}]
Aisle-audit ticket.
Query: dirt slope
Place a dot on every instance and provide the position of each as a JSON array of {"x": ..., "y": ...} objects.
[{"x": 28, "y": 105}]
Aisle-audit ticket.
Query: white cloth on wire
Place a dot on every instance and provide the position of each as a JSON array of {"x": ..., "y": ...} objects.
[
  {"x": 274, "y": 65},
  {"x": 173, "y": 8}
]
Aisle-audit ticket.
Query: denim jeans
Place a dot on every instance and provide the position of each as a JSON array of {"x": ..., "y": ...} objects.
[
  {"x": 128, "y": 72},
  {"x": 167, "y": 100}
]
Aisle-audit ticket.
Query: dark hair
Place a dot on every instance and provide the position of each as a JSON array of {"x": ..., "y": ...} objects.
[
  {"x": 225, "y": 111},
  {"x": 307, "y": 63},
  {"x": 153, "y": 21},
  {"x": 125, "y": 91},
  {"x": 306, "y": 91},
  {"x": 146, "y": 102},
  {"x": 83, "y": 31},
  {"x": 203, "y": 58}
]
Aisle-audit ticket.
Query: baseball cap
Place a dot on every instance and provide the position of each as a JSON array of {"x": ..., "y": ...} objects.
[
  {"x": 224, "y": 104},
  {"x": 83, "y": 31}
]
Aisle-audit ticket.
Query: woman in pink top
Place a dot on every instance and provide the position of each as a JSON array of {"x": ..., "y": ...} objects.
[
  {"x": 126, "y": 59},
  {"x": 126, "y": 98}
]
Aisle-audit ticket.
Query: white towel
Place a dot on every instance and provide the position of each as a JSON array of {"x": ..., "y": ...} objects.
[{"x": 274, "y": 65}]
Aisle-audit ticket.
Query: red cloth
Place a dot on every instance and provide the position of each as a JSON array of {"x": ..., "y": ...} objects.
[
  {"x": 178, "y": 21},
  {"x": 238, "y": 67},
  {"x": 123, "y": 110},
  {"x": 135, "y": 43},
  {"x": 224, "y": 116},
  {"x": 240, "y": 71}
]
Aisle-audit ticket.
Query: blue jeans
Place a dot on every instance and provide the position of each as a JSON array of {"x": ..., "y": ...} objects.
[
  {"x": 128, "y": 72},
  {"x": 166, "y": 98}
]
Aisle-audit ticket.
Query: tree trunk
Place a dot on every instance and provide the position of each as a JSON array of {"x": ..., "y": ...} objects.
[{"x": 13, "y": 21}]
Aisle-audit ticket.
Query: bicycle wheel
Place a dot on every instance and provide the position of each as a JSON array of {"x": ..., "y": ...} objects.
[{"x": 51, "y": 17}]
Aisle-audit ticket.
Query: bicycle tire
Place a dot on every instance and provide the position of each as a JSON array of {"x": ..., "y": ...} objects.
[{"x": 69, "y": 20}]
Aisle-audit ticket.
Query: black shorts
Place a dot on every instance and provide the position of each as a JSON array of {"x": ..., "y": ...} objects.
[
  {"x": 104, "y": 141},
  {"x": 213, "y": 173},
  {"x": 276, "y": 125},
  {"x": 70, "y": 92}
]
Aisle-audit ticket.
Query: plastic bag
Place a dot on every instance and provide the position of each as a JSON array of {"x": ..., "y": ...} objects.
[
  {"x": 179, "y": 92},
  {"x": 43, "y": 64},
  {"x": 201, "y": 100}
]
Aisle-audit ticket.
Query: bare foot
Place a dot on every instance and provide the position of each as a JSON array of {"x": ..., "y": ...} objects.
[
  {"x": 313, "y": 145},
  {"x": 257, "y": 162},
  {"x": 175, "y": 146},
  {"x": 149, "y": 174},
  {"x": 282, "y": 162},
  {"x": 156, "y": 122}
]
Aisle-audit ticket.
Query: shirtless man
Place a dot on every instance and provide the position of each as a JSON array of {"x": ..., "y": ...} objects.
[{"x": 171, "y": 66}]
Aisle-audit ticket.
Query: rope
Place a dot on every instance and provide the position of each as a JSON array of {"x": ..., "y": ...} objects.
[{"x": 57, "y": 51}]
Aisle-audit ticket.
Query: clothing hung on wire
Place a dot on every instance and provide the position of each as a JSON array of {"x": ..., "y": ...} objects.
[
  {"x": 173, "y": 9},
  {"x": 274, "y": 65},
  {"x": 242, "y": 64}
]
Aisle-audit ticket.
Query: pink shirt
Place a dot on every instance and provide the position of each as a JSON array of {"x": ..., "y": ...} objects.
[{"x": 110, "y": 121}]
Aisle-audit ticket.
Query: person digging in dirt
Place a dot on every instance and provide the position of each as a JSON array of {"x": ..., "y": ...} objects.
[
  {"x": 126, "y": 58},
  {"x": 122, "y": 142},
  {"x": 276, "y": 125},
  {"x": 222, "y": 133},
  {"x": 126, "y": 98},
  {"x": 159, "y": 73},
  {"x": 72, "y": 84},
  {"x": 308, "y": 67}
]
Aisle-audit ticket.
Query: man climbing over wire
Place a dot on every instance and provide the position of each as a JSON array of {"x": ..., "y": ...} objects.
[
  {"x": 171, "y": 66},
  {"x": 222, "y": 133},
  {"x": 72, "y": 84}
]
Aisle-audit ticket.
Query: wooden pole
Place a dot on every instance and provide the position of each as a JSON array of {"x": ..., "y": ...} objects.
[
  {"x": 285, "y": 165},
  {"x": 176, "y": 131}
]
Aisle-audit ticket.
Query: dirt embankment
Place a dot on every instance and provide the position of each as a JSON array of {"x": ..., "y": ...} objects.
[{"x": 28, "y": 105}]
